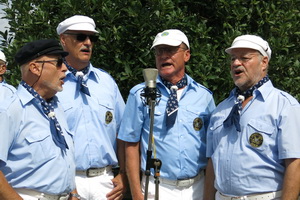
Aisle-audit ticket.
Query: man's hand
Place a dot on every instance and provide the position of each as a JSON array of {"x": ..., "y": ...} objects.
[{"x": 119, "y": 188}]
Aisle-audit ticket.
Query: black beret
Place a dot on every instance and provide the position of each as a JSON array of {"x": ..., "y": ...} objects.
[{"x": 39, "y": 48}]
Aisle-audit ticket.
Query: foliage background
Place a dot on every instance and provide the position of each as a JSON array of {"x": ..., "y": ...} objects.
[{"x": 127, "y": 29}]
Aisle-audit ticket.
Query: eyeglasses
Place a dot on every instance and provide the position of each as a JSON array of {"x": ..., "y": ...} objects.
[
  {"x": 168, "y": 50},
  {"x": 244, "y": 58},
  {"x": 82, "y": 37},
  {"x": 59, "y": 62}
]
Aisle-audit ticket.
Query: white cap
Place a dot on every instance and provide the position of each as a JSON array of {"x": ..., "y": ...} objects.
[
  {"x": 251, "y": 42},
  {"x": 2, "y": 56},
  {"x": 77, "y": 23},
  {"x": 171, "y": 37}
]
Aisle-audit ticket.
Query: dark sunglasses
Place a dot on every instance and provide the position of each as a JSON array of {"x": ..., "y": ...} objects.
[
  {"x": 59, "y": 62},
  {"x": 82, "y": 37}
]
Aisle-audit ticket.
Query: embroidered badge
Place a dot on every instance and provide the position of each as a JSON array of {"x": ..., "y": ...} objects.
[
  {"x": 256, "y": 140},
  {"x": 165, "y": 34},
  {"x": 198, "y": 123},
  {"x": 108, "y": 117}
]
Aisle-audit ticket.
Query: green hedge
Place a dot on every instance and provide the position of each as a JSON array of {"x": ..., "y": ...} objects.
[{"x": 127, "y": 29}]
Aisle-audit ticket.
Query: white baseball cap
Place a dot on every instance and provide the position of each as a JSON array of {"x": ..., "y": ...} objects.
[
  {"x": 251, "y": 42},
  {"x": 2, "y": 56},
  {"x": 76, "y": 23},
  {"x": 171, "y": 37}
]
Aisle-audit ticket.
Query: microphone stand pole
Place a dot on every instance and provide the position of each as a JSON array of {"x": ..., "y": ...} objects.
[{"x": 150, "y": 95}]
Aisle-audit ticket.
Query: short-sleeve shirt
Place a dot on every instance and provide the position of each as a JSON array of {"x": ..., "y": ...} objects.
[
  {"x": 252, "y": 161},
  {"x": 94, "y": 119},
  {"x": 181, "y": 148},
  {"x": 29, "y": 157}
]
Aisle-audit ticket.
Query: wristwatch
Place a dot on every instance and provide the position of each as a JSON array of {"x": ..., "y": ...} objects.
[{"x": 74, "y": 195}]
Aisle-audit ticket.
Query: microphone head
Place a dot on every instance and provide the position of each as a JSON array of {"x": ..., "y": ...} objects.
[{"x": 150, "y": 76}]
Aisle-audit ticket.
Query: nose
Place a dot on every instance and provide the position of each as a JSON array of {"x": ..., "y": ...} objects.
[
  {"x": 87, "y": 41},
  {"x": 235, "y": 62},
  {"x": 163, "y": 54},
  {"x": 64, "y": 67}
]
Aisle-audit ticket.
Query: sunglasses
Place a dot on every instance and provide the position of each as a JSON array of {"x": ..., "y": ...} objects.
[
  {"x": 82, "y": 37},
  {"x": 59, "y": 62}
]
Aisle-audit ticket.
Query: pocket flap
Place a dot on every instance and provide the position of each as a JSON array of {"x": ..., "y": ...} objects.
[
  {"x": 36, "y": 137},
  {"x": 261, "y": 126}
]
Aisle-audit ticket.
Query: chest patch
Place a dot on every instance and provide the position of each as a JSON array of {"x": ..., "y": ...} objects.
[
  {"x": 197, "y": 123},
  {"x": 108, "y": 117},
  {"x": 256, "y": 140}
]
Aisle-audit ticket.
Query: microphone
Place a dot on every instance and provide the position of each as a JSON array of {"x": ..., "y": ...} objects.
[
  {"x": 150, "y": 92},
  {"x": 150, "y": 76}
]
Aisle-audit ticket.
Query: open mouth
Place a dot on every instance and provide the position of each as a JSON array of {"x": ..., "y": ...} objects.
[
  {"x": 238, "y": 72},
  {"x": 166, "y": 64},
  {"x": 85, "y": 50}
]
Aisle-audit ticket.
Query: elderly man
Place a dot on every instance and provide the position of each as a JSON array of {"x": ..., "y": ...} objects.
[
  {"x": 6, "y": 90},
  {"x": 253, "y": 137},
  {"x": 36, "y": 148},
  {"x": 179, "y": 136},
  {"x": 94, "y": 108}
]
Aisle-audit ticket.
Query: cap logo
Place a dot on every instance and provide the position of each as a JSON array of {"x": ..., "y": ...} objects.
[{"x": 165, "y": 34}]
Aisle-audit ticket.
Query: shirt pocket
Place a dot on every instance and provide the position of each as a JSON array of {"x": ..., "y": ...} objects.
[
  {"x": 41, "y": 146},
  {"x": 159, "y": 118},
  {"x": 260, "y": 135},
  {"x": 216, "y": 131},
  {"x": 195, "y": 119},
  {"x": 106, "y": 113},
  {"x": 70, "y": 114}
]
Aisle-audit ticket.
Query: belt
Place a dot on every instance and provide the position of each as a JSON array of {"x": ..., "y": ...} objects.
[
  {"x": 41, "y": 195},
  {"x": 183, "y": 182},
  {"x": 92, "y": 172},
  {"x": 263, "y": 196}
]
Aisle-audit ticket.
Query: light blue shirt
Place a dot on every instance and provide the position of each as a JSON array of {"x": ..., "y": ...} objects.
[
  {"x": 94, "y": 119},
  {"x": 252, "y": 161},
  {"x": 6, "y": 91},
  {"x": 181, "y": 148},
  {"x": 28, "y": 156}
]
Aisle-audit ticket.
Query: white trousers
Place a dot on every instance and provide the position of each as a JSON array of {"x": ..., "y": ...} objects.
[
  {"x": 94, "y": 188},
  {"x": 170, "y": 192}
]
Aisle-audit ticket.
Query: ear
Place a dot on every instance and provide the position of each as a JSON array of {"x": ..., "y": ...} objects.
[
  {"x": 265, "y": 63},
  {"x": 35, "y": 68},
  {"x": 2, "y": 69},
  {"x": 187, "y": 55},
  {"x": 62, "y": 40}
]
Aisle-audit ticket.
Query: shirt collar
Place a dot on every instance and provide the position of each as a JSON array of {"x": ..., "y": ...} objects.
[
  {"x": 190, "y": 82},
  {"x": 261, "y": 93},
  {"x": 26, "y": 97},
  {"x": 92, "y": 75}
]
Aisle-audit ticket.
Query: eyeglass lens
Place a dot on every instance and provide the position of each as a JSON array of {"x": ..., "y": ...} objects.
[
  {"x": 82, "y": 37},
  {"x": 59, "y": 62},
  {"x": 167, "y": 50}
]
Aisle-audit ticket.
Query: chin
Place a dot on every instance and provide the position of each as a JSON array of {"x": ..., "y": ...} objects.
[
  {"x": 166, "y": 71},
  {"x": 60, "y": 89}
]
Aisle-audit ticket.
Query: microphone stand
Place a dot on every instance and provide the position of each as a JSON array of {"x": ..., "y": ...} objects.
[{"x": 150, "y": 94}]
